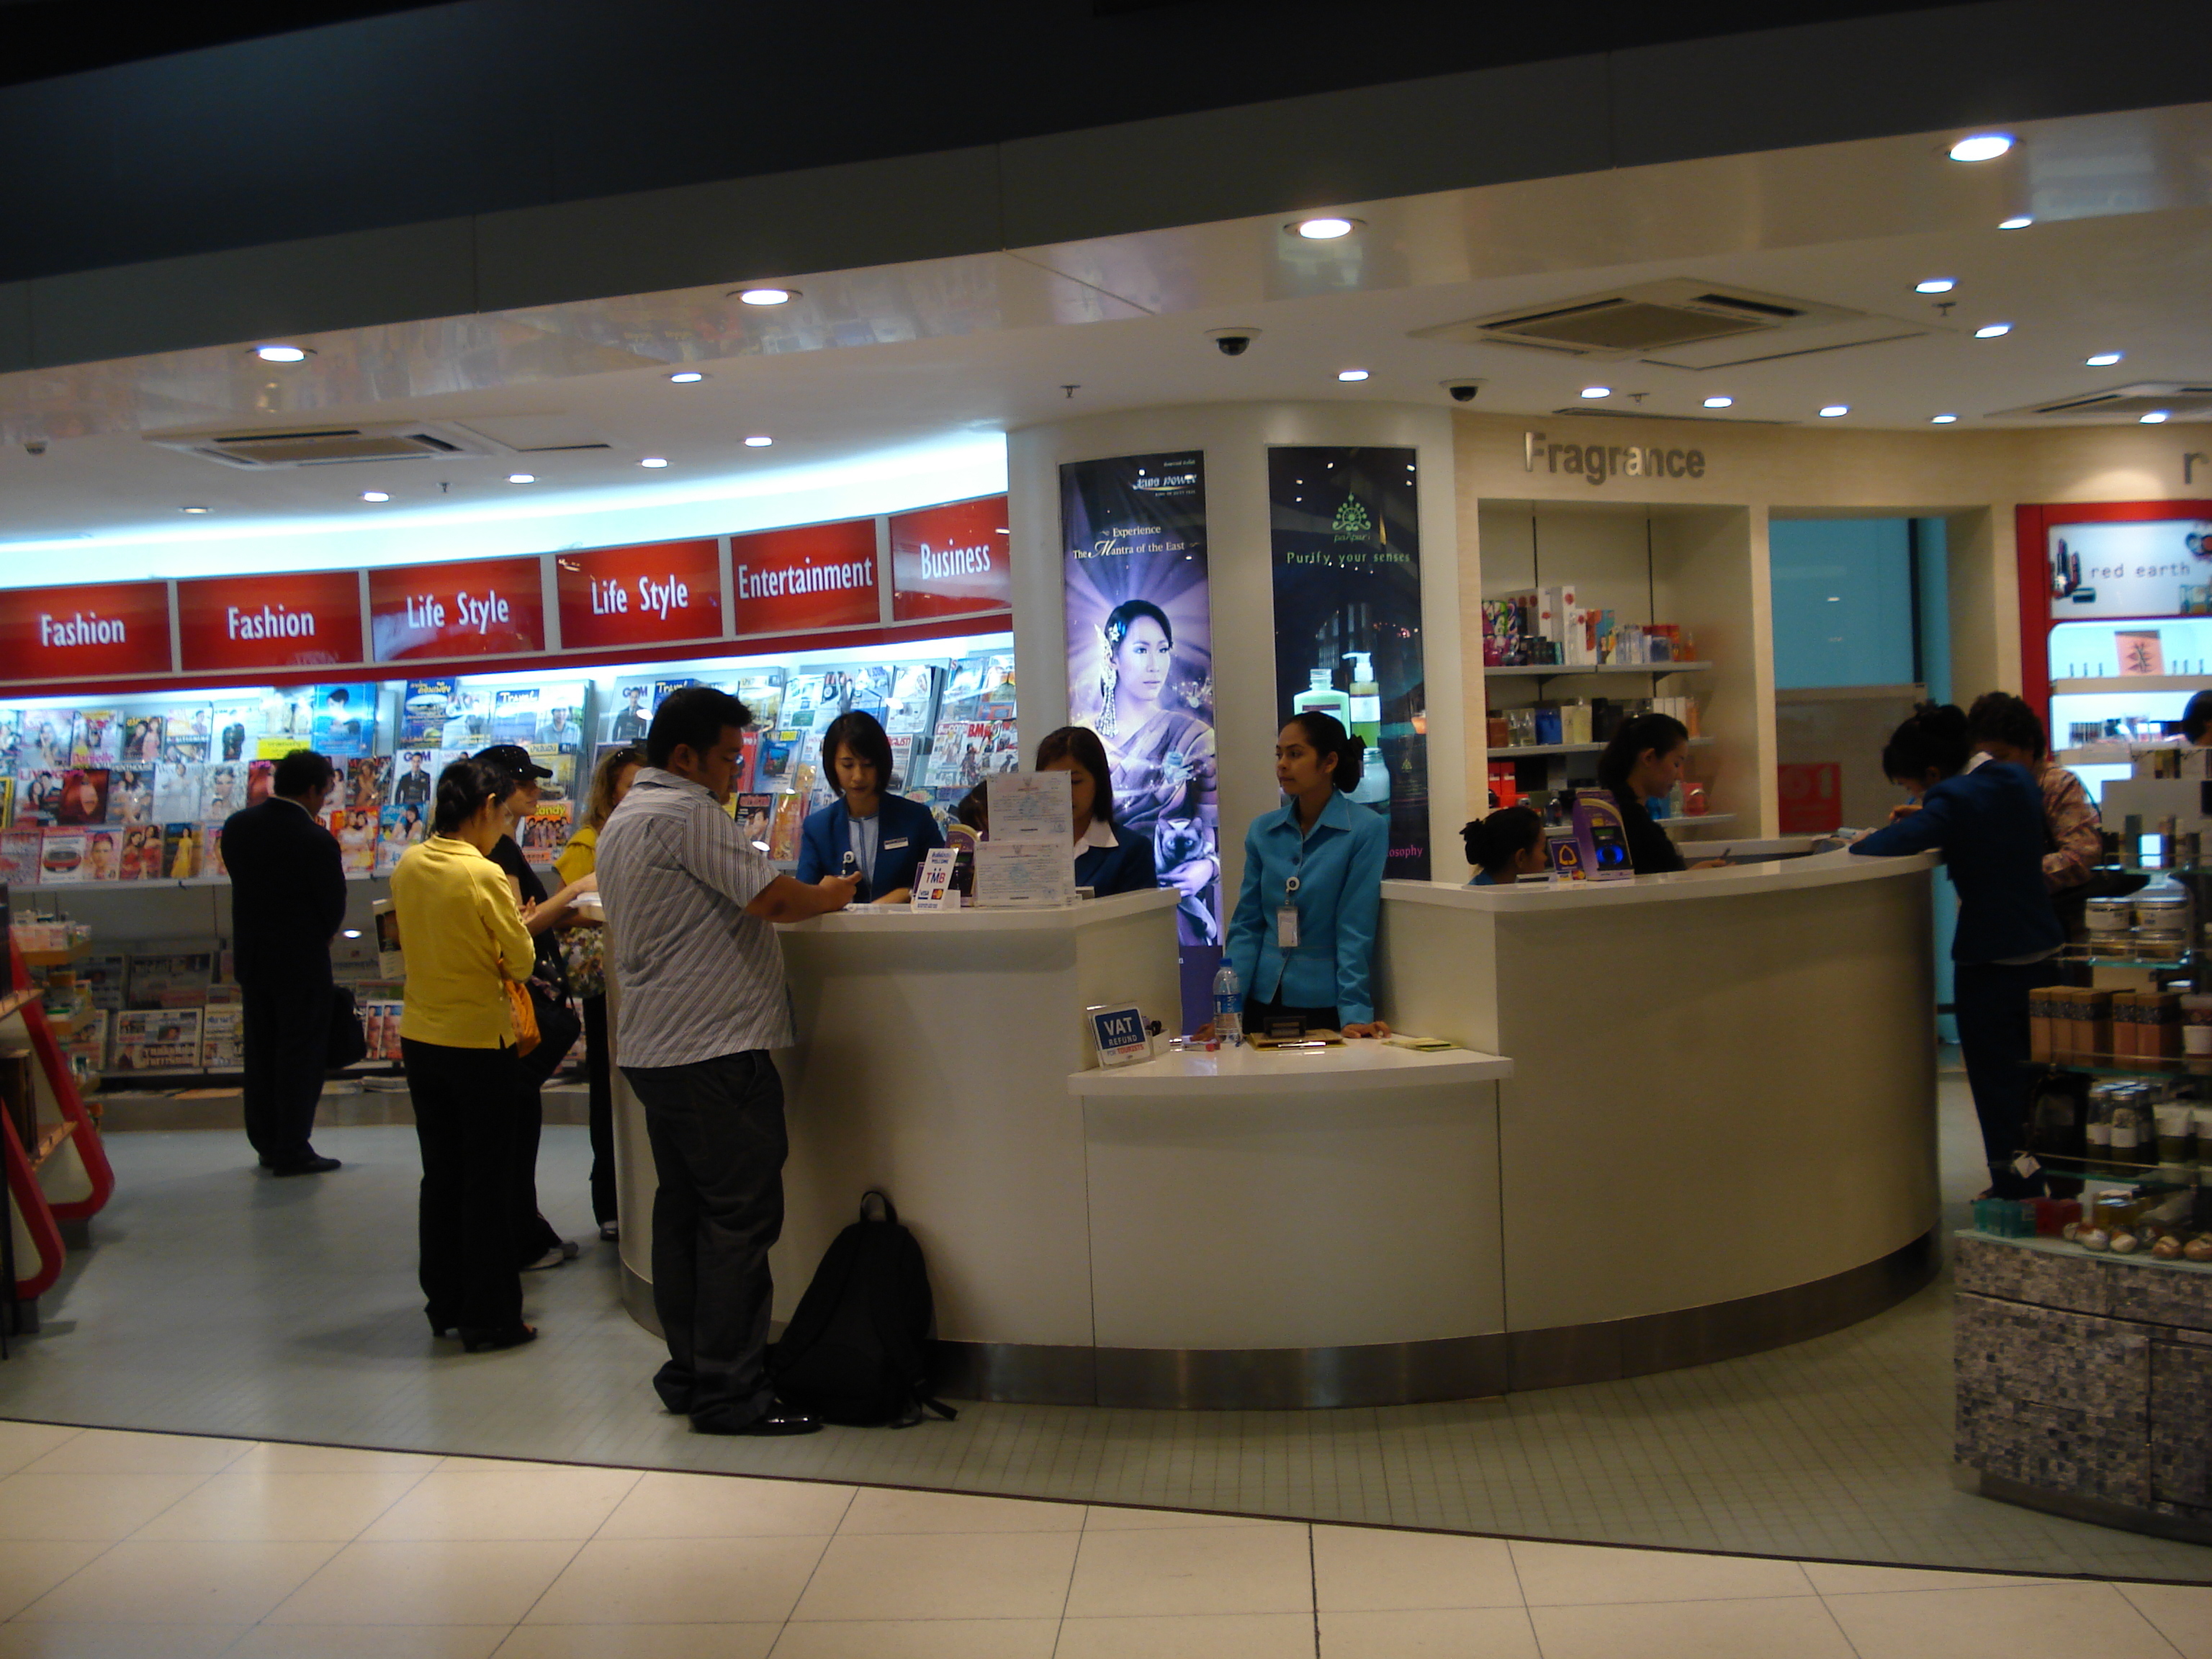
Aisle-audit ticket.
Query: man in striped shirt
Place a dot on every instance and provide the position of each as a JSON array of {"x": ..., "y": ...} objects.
[{"x": 690, "y": 912}]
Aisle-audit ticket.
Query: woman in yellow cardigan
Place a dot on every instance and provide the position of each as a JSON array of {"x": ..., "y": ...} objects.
[{"x": 463, "y": 936}]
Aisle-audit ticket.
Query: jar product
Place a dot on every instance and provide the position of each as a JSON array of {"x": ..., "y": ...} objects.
[
  {"x": 2177, "y": 1133},
  {"x": 2132, "y": 1132},
  {"x": 2160, "y": 943},
  {"x": 2109, "y": 916},
  {"x": 2097, "y": 1130}
]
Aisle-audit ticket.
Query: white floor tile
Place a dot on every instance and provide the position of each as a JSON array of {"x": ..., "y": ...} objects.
[
  {"x": 1190, "y": 1635},
  {"x": 118, "y": 1451},
  {"x": 19, "y": 1443},
  {"x": 2183, "y": 1612},
  {"x": 1575, "y": 1575},
  {"x": 667, "y": 1506},
  {"x": 1431, "y": 1633},
  {"x": 463, "y": 1502},
  {"x": 1798, "y": 1626},
  {"x": 116, "y": 1641},
  {"x": 880, "y": 1510},
  {"x": 1005, "y": 1574},
  {"x": 2062, "y": 1621},
  {"x": 168, "y": 1582},
  {"x": 1201, "y": 1570},
  {"x": 369, "y": 1642},
  {"x": 255, "y": 1503},
  {"x": 29, "y": 1567},
  {"x": 1109, "y": 1518},
  {"x": 680, "y": 1581},
  {"x": 640, "y": 1642},
  {"x": 278, "y": 1457},
  {"x": 104, "y": 1507},
  {"x": 1371, "y": 1569},
  {"x": 922, "y": 1639},
  {"x": 1840, "y": 1578},
  {"x": 445, "y": 1583}
]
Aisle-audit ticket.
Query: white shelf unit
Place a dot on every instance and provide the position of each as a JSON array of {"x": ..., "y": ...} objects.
[
  {"x": 2089, "y": 688},
  {"x": 1515, "y": 751},
  {"x": 1556, "y": 670}
]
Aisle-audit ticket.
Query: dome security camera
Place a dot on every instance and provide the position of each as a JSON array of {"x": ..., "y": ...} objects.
[
  {"x": 1232, "y": 342},
  {"x": 1463, "y": 392},
  {"x": 34, "y": 446}
]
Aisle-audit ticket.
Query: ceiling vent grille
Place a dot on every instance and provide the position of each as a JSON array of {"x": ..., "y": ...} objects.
[
  {"x": 1643, "y": 317},
  {"x": 2122, "y": 403},
  {"x": 328, "y": 445}
]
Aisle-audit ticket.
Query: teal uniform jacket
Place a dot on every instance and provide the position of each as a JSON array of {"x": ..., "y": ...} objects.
[{"x": 1340, "y": 897}]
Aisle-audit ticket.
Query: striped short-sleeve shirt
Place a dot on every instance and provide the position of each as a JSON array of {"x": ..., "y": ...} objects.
[{"x": 699, "y": 978}]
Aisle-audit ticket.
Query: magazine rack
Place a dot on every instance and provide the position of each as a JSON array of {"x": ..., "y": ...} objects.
[{"x": 63, "y": 1176}]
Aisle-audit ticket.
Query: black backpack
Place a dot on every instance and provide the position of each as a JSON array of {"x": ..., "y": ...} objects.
[{"x": 857, "y": 1350}]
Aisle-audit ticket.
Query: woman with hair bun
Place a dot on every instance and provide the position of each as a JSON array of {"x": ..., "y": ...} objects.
[
  {"x": 2003, "y": 728},
  {"x": 1303, "y": 938},
  {"x": 1985, "y": 817},
  {"x": 1505, "y": 846}
]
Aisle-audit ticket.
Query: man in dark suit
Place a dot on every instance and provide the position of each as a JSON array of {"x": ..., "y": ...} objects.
[{"x": 287, "y": 899}]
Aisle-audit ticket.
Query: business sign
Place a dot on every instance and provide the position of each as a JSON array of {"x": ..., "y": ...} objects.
[
  {"x": 2157, "y": 568},
  {"x": 950, "y": 561},
  {"x": 484, "y": 608},
  {"x": 298, "y": 620},
  {"x": 818, "y": 575},
  {"x": 651, "y": 595},
  {"x": 1345, "y": 534},
  {"x": 76, "y": 633}
]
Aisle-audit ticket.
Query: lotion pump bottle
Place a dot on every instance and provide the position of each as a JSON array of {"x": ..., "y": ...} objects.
[
  {"x": 1366, "y": 720},
  {"x": 1320, "y": 696}
]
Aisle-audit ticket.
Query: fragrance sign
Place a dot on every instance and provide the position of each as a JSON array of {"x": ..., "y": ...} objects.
[
  {"x": 652, "y": 595},
  {"x": 485, "y": 608},
  {"x": 819, "y": 576},
  {"x": 303, "y": 620},
  {"x": 73, "y": 633}
]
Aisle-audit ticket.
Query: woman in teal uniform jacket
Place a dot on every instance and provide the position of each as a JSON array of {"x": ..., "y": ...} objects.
[
  {"x": 1319, "y": 859},
  {"x": 886, "y": 834}
]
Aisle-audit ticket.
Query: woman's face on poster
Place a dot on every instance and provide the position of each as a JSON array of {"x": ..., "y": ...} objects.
[{"x": 1141, "y": 662}]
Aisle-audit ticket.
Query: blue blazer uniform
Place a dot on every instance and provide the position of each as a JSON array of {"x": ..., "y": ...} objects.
[
  {"x": 1988, "y": 822},
  {"x": 905, "y": 830},
  {"x": 1124, "y": 867},
  {"x": 1339, "y": 870}
]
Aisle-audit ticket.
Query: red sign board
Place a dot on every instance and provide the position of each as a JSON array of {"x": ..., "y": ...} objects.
[
  {"x": 73, "y": 633},
  {"x": 482, "y": 608},
  {"x": 298, "y": 620},
  {"x": 1811, "y": 797},
  {"x": 616, "y": 596},
  {"x": 819, "y": 576},
  {"x": 951, "y": 559}
]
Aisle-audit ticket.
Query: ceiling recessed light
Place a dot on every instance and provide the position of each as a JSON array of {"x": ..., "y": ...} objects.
[
  {"x": 2104, "y": 359},
  {"x": 2156, "y": 417},
  {"x": 685, "y": 377},
  {"x": 282, "y": 354},
  {"x": 1834, "y": 410},
  {"x": 522, "y": 478},
  {"x": 759, "y": 440},
  {"x": 1942, "y": 420},
  {"x": 654, "y": 460},
  {"x": 1325, "y": 230},
  {"x": 2018, "y": 222},
  {"x": 374, "y": 496},
  {"x": 1352, "y": 374},
  {"x": 1936, "y": 285},
  {"x": 1981, "y": 147},
  {"x": 195, "y": 509},
  {"x": 1597, "y": 392},
  {"x": 1992, "y": 330},
  {"x": 767, "y": 296},
  {"x": 1720, "y": 402}
]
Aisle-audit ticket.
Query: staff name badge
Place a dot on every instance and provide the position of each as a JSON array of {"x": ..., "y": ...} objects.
[{"x": 1120, "y": 1033}]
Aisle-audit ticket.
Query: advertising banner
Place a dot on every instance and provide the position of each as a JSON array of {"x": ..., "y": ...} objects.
[
  {"x": 1140, "y": 660},
  {"x": 72, "y": 632},
  {"x": 1347, "y": 576},
  {"x": 2160, "y": 568},
  {"x": 302, "y": 619},
  {"x": 818, "y": 575},
  {"x": 482, "y": 608},
  {"x": 950, "y": 561},
  {"x": 654, "y": 595}
]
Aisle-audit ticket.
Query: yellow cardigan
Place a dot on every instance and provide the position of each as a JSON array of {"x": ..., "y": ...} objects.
[
  {"x": 463, "y": 939},
  {"x": 580, "y": 857}
]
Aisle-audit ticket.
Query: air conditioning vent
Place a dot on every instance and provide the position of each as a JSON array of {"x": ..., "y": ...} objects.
[
  {"x": 1647, "y": 317},
  {"x": 2122, "y": 403},
  {"x": 327, "y": 446}
]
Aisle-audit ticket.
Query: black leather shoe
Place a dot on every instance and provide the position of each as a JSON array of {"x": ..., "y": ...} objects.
[
  {"x": 311, "y": 1165},
  {"x": 476, "y": 1340},
  {"x": 779, "y": 1420}
]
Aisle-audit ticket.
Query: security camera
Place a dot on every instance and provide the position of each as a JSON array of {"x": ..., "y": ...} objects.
[
  {"x": 34, "y": 446},
  {"x": 1463, "y": 392},
  {"x": 1232, "y": 342}
]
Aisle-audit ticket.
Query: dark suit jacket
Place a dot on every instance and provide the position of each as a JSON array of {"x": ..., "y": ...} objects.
[
  {"x": 1127, "y": 867},
  {"x": 907, "y": 832},
  {"x": 287, "y": 893}
]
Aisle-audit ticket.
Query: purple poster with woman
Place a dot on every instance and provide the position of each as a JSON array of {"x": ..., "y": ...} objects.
[{"x": 1140, "y": 660}]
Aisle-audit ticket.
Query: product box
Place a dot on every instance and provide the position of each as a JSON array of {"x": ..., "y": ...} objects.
[{"x": 2127, "y": 1024}]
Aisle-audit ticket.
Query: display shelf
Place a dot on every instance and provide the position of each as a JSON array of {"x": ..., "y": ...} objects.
[
  {"x": 1552, "y": 670},
  {"x": 2131, "y": 1065},
  {"x": 2095, "y": 686},
  {"x": 14, "y": 1002},
  {"x": 2151, "y": 1176},
  {"x": 2154, "y": 869},
  {"x": 2068, "y": 1248},
  {"x": 76, "y": 952},
  {"x": 1687, "y": 821},
  {"x": 1514, "y": 751}
]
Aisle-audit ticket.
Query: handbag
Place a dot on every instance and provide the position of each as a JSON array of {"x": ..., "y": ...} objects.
[
  {"x": 522, "y": 1013},
  {"x": 346, "y": 1044},
  {"x": 584, "y": 954}
]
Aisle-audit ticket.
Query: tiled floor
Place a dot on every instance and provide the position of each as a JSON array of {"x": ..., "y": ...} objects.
[
  {"x": 119, "y": 1543},
  {"x": 217, "y": 1302}
]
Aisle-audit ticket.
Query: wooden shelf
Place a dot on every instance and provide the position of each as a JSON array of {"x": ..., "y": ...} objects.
[
  {"x": 50, "y": 1142},
  {"x": 57, "y": 959},
  {"x": 14, "y": 1002}
]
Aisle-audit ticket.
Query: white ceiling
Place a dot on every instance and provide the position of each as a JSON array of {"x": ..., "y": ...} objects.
[{"x": 904, "y": 369}]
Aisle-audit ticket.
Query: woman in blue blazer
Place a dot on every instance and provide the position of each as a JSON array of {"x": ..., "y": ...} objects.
[
  {"x": 1986, "y": 819},
  {"x": 1109, "y": 859},
  {"x": 885, "y": 835},
  {"x": 1321, "y": 860}
]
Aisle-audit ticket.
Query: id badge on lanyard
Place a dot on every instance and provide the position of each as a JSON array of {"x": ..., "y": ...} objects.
[{"x": 1286, "y": 918}]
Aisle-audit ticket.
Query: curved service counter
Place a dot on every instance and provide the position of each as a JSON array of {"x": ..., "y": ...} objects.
[{"x": 1715, "y": 1133}]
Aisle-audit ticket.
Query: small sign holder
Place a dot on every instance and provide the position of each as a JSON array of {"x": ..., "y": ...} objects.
[{"x": 1120, "y": 1033}]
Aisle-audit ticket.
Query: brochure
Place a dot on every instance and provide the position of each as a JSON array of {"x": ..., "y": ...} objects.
[
  {"x": 163, "y": 1040},
  {"x": 1032, "y": 873},
  {"x": 1032, "y": 805},
  {"x": 344, "y": 720}
]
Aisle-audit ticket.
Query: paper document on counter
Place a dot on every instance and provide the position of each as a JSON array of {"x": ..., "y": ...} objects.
[
  {"x": 1032, "y": 806},
  {"x": 1032, "y": 873}
]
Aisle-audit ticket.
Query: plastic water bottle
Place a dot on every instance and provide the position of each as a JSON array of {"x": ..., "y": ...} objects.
[{"x": 1228, "y": 1006}]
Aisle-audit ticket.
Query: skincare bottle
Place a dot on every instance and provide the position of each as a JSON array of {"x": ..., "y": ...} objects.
[
  {"x": 1366, "y": 717},
  {"x": 1320, "y": 696}
]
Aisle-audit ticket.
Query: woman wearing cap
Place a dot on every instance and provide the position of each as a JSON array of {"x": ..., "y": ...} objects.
[{"x": 886, "y": 835}]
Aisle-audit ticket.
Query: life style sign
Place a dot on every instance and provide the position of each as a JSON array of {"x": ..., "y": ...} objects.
[
  {"x": 647, "y": 595},
  {"x": 481, "y": 608}
]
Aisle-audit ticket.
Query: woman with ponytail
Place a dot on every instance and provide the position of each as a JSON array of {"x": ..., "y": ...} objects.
[
  {"x": 1302, "y": 939},
  {"x": 1645, "y": 759},
  {"x": 1985, "y": 817}
]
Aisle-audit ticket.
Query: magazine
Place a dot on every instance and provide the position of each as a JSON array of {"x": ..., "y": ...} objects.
[
  {"x": 357, "y": 833},
  {"x": 83, "y": 798},
  {"x": 754, "y": 814},
  {"x": 415, "y": 781},
  {"x": 901, "y": 762},
  {"x": 174, "y": 979},
  {"x": 131, "y": 795},
  {"x": 142, "y": 852},
  {"x": 514, "y": 715},
  {"x": 97, "y": 737},
  {"x": 632, "y": 715},
  {"x": 223, "y": 788},
  {"x": 211, "y": 862},
  {"x": 61, "y": 857},
  {"x": 20, "y": 852},
  {"x": 103, "y": 855},
  {"x": 399, "y": 828},
  {"x": 180, "y": 850},
  {"x": 159, "y": 1040},
  {"x": 38, "y": 795},
  {"x": 761, "y": 693},
  {"x": 367, "y": 782},
  {"x": 176, "y": 792},
  {"x": 546, "y": 831},
  {"x": 423, "y": 709},
  {"x": 790, "y": 815},
  {"x": 223, "y": 1031},
  {"x": 142, "y": 740},
  {"x": 913, "y": 691},
  {"x": 343, "y": 720},
  {"x": 233, "y": 726},
  {"x": 776, "y": 749}
]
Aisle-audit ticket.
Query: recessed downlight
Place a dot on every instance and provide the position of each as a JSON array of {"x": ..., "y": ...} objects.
[
  {"x": 1351, "y": 374},
  {"x": 685, "y": 377},
  {"x": 2104, "y": 359},
  {"x": 1936, "y": 285},
  {"x": 1597, "y": 392},
  {"x": 1942, "y": 420},
  {"x": 374, "y": 496},
  {"x": 1835, "y": 411},
  {"x": 522, "y": 478},
  {"x": 654, "y": 460},
  {"x": 759, "y": 440},
  {"x": 1992, "y": 330},
  {"x": 2018, "y": 222},
  {"x": 2156, "y": 417},
  {"x": 282, "y": 354},
  {"x": 1328, "y": 228},
  {"x": 1981, "y": 147},
  {"x": 767, "y": 296},
  {"x": 194, "y": 509},
  {"x": 1720, "y": 402}
]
